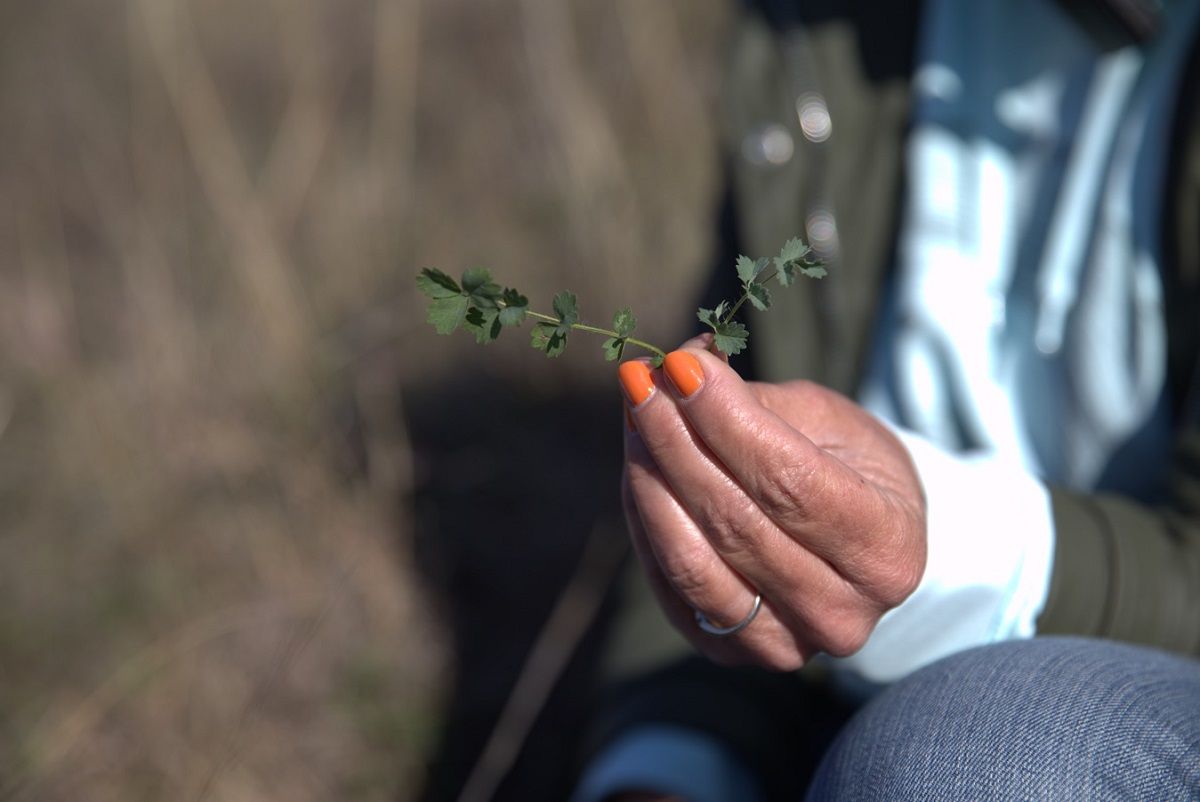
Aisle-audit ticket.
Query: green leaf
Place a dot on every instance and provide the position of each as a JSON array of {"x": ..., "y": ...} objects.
[
  {"x": 656, "y": 361},
  {"x": 731, "y": 337},
  {"x": 624, "y": 322},
  {"x": 710, "y": 317},
  {"x": 797, "y": 258},
  {"x": 749, "y": 269},
  {"x": 614, "y": 348},
  {"x": 547, "y": 338},
  {"x": 483, "y": 323},
  {"x": 810, "y": 266},
  {"x": 746, "y": 268},
  {"x": 447, "y": 314},
  {"x": 759, "y": 296},
  {"x": 793, "y": 251},
  {"x": 479, "y": 287},
  {"x": 437, "y": 284},
  {"x": 515, "y": 308},
  {"x": 474, "y": 278},
  {"x": 567, "y": 309},
  {"x": 785, "y": 271}
]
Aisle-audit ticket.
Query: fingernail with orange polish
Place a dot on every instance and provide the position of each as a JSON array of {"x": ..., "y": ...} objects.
[
  {"x": 636, "y": 381},
  {"x": 684, "y": 371}
]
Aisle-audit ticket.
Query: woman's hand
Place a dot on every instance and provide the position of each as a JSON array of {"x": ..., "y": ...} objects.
[{"x": 733, "y": 489}]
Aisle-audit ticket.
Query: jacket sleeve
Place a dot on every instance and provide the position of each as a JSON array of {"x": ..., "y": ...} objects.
[{"x": 1128, "y": 571}]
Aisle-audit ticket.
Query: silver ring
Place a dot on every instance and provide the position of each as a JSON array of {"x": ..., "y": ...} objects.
[{"x": 713, "y": 629}]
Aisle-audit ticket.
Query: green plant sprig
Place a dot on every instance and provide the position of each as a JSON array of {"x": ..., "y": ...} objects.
[{"x": 485, "y": 309}]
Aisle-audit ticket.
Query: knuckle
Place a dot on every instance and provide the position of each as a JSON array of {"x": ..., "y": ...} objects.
[
  {"x": 727, "y": 521},
  {"x": 902, "y": 581},
  {"x": 689, "y": 572},
  {"x": 846, "y": 637},
  {"x": 897, "y": 575},
  {"x": 786, "y": 487}
]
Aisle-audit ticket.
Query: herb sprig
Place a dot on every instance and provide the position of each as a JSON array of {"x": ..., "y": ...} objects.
[{"x": 484, "y": 308}]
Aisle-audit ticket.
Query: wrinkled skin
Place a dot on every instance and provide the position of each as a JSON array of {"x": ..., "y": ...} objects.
[{"x": 791, "y": 490}]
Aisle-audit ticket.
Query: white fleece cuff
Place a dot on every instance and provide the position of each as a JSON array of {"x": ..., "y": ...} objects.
[{"x": 990, "y": 553}]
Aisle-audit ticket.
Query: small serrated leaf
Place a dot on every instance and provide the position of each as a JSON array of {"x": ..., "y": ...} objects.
[
  {"x": 515, "y": 308},
  {"x": 730, "y": 337},
  {"x": 447, "y": 314},
  {"x": 746, "y": 268},
  {"x": 749, "y": 269},
  {"x": 614, "y": 348},
  {"x": 797, "y": 258},
  {"x": 793, "y": 250},
  {"x": 437, "y": 284},
  {"x": 547, "y": 338},
  {"x": 785, "y": 271},
  {"x": 759, "y": 296},
  {"x": 567, "y": 309},
  {"x": 624, "y": 322}
]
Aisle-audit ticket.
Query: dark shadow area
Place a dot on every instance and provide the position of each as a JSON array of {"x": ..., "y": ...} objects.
[{"x": 509, "y": 487}]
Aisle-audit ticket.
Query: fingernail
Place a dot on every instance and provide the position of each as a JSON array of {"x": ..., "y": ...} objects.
[
  {"x": 636, "y": 381},
  {"x": 629, "y": 424},
  {"x": 684, "y": 371}
]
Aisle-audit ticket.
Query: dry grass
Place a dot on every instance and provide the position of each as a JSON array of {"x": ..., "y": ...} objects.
[{"x": 210, "y": 214}]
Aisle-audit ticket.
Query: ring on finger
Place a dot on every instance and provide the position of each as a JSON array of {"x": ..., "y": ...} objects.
[{"x": 712, "y": 629}]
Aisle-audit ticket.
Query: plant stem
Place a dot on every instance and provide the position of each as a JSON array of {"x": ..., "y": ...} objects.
[
  {"x": 746, "y": 295},
  {"x": 597, "y": 330},
  {"x": 729, "y": 315}
]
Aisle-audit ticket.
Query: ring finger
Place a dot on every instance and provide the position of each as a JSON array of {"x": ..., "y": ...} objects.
[{"x": 692, "y": 577}]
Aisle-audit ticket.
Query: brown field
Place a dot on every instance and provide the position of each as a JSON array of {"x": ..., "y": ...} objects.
[{"x": 211, "y": 213}]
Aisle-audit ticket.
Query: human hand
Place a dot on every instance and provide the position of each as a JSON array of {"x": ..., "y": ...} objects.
[{"x": 790, "y": 490}]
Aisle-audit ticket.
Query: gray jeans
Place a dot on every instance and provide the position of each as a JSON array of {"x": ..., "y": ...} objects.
[{"x": 1049, "y": 718}]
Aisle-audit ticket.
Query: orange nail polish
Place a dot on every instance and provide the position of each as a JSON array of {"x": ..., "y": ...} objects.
[
  {"x": 636, "y": 381},
  {"x": 684, "y": 371}
]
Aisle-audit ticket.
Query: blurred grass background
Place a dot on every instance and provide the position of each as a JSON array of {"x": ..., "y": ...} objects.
[{"x": 212, "y": 360}]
